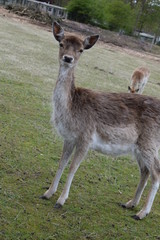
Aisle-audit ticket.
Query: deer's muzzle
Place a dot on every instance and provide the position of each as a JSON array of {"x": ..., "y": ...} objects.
[{"x": 68, "y": 59}]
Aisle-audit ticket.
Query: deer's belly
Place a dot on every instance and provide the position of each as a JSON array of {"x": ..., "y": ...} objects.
[{"x": 109, "y": 148}]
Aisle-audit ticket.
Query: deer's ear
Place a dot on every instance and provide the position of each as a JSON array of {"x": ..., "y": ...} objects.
[
  {"x": 58, "y": 31},
  {"x": 90, "y": 41}
]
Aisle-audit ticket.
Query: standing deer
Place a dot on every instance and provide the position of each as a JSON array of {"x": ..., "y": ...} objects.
[
  {"x": 138, "y": 80},
  {"x": 111, "y": 123}
]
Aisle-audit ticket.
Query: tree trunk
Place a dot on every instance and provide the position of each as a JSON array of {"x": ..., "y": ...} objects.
[{"x": 140, "y": 13}]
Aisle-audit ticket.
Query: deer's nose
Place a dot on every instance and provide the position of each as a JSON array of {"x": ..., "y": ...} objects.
[{"x": 68, "y": 59}]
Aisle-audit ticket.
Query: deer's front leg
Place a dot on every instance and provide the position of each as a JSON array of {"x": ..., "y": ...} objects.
[
  {"x": 67, "y": 151},
  {"x": 77, "y": 159}
]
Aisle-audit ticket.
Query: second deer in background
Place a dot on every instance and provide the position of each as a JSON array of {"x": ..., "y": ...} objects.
[{"x": 138, "y": 80}]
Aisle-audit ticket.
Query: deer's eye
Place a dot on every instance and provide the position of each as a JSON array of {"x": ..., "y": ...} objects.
[
  {"x": 81, "y": 50},
  {"x": 61, "y": 44}
]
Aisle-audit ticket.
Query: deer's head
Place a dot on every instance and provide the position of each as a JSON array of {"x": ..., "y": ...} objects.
[
  {"x": 132, "y": 90},
  {"x": 71, "y": 47}
]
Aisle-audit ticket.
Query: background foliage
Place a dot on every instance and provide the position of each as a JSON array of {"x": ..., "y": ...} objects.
[{"x": 128, "y": 15}]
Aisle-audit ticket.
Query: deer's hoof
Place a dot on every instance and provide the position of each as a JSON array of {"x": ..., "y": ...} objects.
[
  {"x": 125, "y": 206},
  {"x": 136, "y": 217},
  {"x": 57, "y": 206},
  {"x": 122, "y": 205},
  {"x": 43, "y": 197}
]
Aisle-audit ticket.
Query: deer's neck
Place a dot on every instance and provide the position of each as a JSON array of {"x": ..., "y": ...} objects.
[{"x": 65, "y": 87}]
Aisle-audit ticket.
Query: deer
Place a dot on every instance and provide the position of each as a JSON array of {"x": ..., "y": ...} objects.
[
  {"x": 139, "y": 79},
  {"x": 111, "y": 123}
]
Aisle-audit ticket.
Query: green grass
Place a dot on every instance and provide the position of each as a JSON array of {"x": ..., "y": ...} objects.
[{"x": 30, "y": 148}]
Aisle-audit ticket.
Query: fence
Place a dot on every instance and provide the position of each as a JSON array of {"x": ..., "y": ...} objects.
[{"x": 52, "y": 10}]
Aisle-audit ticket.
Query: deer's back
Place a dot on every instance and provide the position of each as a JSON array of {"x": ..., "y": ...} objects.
[
  {"x": 115, "y": 109},
  {"x": 118, "y": 118}
]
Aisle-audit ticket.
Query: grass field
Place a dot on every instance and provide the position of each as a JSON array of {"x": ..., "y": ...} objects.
[{"x": 30, "y": 148}]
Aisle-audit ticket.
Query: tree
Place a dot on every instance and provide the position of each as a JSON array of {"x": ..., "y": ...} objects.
[
  {"x": 113, "y": 14},
  {"x": 147, "y": 15},
  {"x": 119, "y": 15},
  {"x": 80, "y": 10},
  {"x": 128, "y": 15},
  {"x": 152, "y": 18}
]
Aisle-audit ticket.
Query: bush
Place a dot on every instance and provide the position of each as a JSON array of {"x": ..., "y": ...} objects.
[
  {"x": 119, "y": 16},
  {"x": 80, "y": 10}
]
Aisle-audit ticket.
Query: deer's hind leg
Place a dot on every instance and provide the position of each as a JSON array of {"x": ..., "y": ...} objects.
[
  {"x": 144, "y": 174},
  {"x": 155, "y": 181},
  {"x": 67, "y": 151}
]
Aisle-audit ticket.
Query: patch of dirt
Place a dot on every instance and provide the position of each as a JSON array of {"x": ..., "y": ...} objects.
[
  {"x": 22, "y": 16},
  {"x": 113, "y": 40}
]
